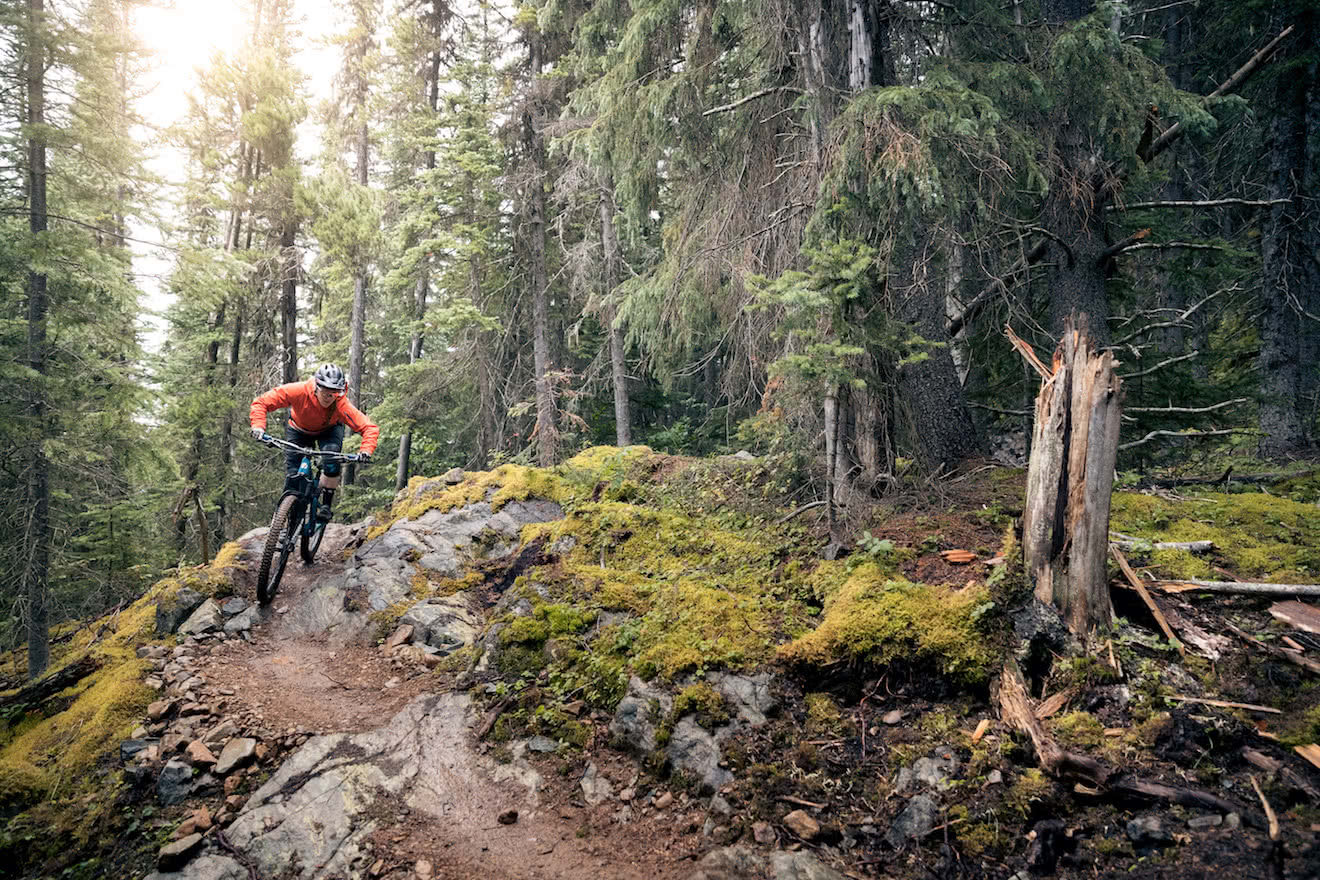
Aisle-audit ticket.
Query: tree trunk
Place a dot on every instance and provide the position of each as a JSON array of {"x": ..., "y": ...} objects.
[
  {"x": 36, "y": 570},
  {"x": 609, "y": 241},
  {"x": 1065, "y": 529},
  {"x": 358, "y": 323},
  {"x": 289, "y": 302},
  {"x": 1286, "y": 333},
  {"x": 546, "y": 431},
  {"x": 831, "y": 443},
  {"x": 940, "y": 423}
]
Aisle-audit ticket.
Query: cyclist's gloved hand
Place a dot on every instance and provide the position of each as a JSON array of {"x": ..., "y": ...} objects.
[
  {"x": 364, "y": 458},
  {"x": 258, "y": 434}
]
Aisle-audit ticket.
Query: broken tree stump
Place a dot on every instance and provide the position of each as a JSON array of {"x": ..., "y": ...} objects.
[{"x": 1070, "y": 477}]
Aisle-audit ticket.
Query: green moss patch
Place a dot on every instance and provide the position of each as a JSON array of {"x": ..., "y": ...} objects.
[
  {"x": 1256, "y": 536},
  {"x": 49, "y": 756},
  {"x": 878, "y": 619}
]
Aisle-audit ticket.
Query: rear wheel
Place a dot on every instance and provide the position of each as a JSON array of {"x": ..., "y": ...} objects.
[
  {"x": 312, "y": 543},
  {"x": 279, "y": 544}
]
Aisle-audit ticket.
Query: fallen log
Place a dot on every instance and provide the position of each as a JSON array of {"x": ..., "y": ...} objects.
[
  {"x": 1128, "y": 542},
  {"x": 37, "y": 692},
  {"x": 1244, "y": 588},
  {"x": 1015, "y": 708}
]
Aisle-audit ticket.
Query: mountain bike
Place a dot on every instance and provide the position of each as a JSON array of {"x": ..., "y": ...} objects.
[{"x": 295, "y": 520}]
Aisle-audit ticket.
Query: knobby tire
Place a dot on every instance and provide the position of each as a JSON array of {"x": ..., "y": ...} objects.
[
  {"x": 313, "y": 543},
  {"x": 268, "y": 581}
]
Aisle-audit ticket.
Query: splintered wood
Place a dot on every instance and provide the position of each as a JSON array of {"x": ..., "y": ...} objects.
[
  {"x": 1070, "y": 478},
  {"x": 1297, "y": 614}
]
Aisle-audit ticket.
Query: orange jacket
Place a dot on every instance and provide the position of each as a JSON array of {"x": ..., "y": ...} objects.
[{"x": 310, "y": 417}]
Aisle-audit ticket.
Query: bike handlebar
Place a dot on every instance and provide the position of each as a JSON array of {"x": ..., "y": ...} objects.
[{"x": 294, "y": 447}]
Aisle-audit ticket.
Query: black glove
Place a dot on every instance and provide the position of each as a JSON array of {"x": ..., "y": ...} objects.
[
  {"x": 364, "y": 458},
  {"x": 258, "y": 434}
]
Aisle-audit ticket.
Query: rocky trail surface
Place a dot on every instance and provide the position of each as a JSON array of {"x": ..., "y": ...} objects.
[{"x": 338, "y": 759}]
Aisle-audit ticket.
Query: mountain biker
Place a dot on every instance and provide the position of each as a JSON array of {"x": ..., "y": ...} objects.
[{"x": 318, "y": 414}]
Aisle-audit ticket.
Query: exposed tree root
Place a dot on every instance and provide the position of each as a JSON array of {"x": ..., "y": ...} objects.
[{"x": 1015, "y": 709}]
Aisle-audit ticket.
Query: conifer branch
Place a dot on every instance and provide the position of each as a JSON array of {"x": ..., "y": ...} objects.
[
  {"x": 1186, "y": 409},
  {"x": 1175, "y": 131},
  {"x": 734, "y": 105}
]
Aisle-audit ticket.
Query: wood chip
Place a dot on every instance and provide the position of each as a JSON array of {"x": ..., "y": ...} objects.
[
  {"x": 1224, "y": 704},
  {"x": 958, "y": 557},
  {"x": 1115, "y": 731},
  {"x": 1292, "y": 644},
  {"x": 980, "y": 730},
  {"x": 1055, "y": 702},
  {"x": 1260, "y": 760},
  {"x": 1298, "y": 614},
  {"x": 1310, "y": 752}
]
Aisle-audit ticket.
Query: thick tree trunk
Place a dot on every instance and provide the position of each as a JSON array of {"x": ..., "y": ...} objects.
[
  {"x": 1287, "y": 257},
  {"x": 36, "y": 568},
  {"x": 939, "y": 421},
  {"x": 546, "y": 431},
  {"x": 609, "y": 241},
  {"x": 431, "y": 94},
  {"x": 358, "y": 322},
  {"x": 1065, "y": 529}
]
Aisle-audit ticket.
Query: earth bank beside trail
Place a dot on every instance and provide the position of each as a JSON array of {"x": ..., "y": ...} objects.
[{"x": 635, "y": 664}]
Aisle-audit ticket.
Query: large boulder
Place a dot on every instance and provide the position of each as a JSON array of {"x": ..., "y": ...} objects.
[
  {"x": 381, "y": 571},
  {"x": 172, "y": 611},
  {"x": 446, "y": 623}
]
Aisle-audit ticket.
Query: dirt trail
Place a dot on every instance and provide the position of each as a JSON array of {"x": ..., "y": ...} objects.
[{"x": 289, "y": 682}]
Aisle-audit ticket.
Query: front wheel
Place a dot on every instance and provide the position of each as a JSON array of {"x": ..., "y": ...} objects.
[
  {"x": 311, "y": 543},
  {"x": 279, "y": 544}
]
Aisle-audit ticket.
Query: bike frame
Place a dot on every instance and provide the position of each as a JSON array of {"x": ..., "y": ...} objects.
[{"x": 297, "y": 522}]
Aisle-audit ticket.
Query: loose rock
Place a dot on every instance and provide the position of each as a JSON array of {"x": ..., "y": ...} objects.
[
  {"x": 236, "y": 753},
  {"x": 595, "y": 787},
  {"x": 802, "y": 825},
  {"x": 915, "y": 822},
  {"x": 175, "y": 855}
]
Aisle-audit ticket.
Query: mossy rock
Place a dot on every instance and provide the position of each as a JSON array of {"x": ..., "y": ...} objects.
[{"x": 874, "y": 618}]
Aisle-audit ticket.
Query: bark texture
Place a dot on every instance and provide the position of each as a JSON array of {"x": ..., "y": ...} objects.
[
  {"x": 1069, "y": 481},
  {"x": 36, "y": 567}
]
